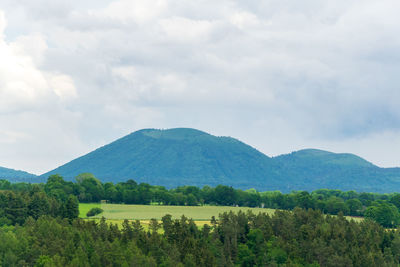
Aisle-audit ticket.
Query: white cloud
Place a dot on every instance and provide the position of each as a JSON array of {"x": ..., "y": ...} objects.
[
  {"x": 62, "y": 85},
  {"x": 139, "y": 11},
  {"x": 280, "y": 75},
  {"x": 22, "y": 83},
  {"x": 244, "y": 20},
  {"x": 181, "y": 29}
]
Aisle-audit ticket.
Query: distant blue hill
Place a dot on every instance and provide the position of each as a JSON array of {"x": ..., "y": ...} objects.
[
  {"x": 312, "y": 169},
  {"x": 18, "y": 176},
  {"x": 184, "y": 156}
]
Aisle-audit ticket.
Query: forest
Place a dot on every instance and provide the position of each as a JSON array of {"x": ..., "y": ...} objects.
[
  {"x": 39, "y": 226},
  {"x": 298, "y": 238},
  {"x": 382, "y": 208}
]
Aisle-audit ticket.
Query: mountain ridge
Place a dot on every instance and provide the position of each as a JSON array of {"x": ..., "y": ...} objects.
[
  {"x": 152, "y": 147},
  {"x": 185, "y": 156},
  {"x": 18, "y": 175}
]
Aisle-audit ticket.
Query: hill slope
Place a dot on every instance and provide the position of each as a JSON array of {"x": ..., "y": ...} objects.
[
  {"x": 190, "y": 157},
  {"x": 18, "y": 176},
  {"x": 312, "y": 169},
  {"x": 174, "y": 157}
]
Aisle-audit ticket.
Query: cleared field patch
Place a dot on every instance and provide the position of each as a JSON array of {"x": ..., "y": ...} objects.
[
  {"x": 85, "y": 207},
  {"x": 116, "y": 213},
  {"x": 147, "y": 212},
  {"x": 355, "y": 218}
]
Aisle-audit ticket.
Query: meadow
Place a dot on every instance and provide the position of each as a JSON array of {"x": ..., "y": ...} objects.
[{"x": 116, "y": 213}]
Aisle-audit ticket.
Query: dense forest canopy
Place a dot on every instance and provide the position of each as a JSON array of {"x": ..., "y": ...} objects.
[
  {"x": 298, "y": 238},
  {"x": 383, "y": 208},
  {"x": 39, "y": 226}
]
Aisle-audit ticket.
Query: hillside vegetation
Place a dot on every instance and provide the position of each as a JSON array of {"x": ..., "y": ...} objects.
[
  {"x": 173, "y": 157},
  {"x": 299, "y": 238},
  {"x": 18, "y": 176},
  {"x": 382, "y": 208},
  {"x": 39, "y": 226},
  {"x": 185, "y": 156}
]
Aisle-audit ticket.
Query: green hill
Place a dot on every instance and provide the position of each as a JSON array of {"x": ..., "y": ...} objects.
[
  {"x": 312, "y": 169},
  {"x": 18, "y": 176},
  {"x": 185, "y": 156},
  {"x": 173, "y": 157}
]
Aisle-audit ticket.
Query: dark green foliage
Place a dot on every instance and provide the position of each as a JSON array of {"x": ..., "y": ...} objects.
[
  {"x": 288, "y": 238},
  {"x": 384, "y": 213},
  {"x": 91, "y": 189},
  {"x": 94, "y": 211},
  {"x": 58, "y": 188},
  {"x": 379, "y": 207},
  {"x": 71, "y": 208},
  {"x": 298, "y": 238},
  {"x": 17, "y": 206}
]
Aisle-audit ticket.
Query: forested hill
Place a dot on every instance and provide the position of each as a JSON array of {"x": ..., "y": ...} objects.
[
  {"x": 311, "y": 169},
  {"x": 174, "y": 157},
  {"x": 18, "y": 176},
  {"x": 185, "y": 156}
]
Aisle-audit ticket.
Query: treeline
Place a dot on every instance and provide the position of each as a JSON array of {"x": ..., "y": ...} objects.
[
  {"x": 17, "y": 206},
  {"x": 298, "y": 238},
  {"x": 383, "y": 208}
]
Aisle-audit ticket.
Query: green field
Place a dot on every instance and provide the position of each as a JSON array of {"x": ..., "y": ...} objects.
[
  {"x": 147, "y": 212},
  {"x": 116, "y": 213},
  {"x": 85, "y": 207}
]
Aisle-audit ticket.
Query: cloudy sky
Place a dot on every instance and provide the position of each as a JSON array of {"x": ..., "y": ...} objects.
[{"x": 279, "y": 75}]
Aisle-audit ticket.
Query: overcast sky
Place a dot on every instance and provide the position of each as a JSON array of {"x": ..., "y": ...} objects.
[{"x": 279, "y": 75}]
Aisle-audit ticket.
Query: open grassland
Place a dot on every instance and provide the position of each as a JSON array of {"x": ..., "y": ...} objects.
[
  {"x": 116, "y": 213},
  {"x": 85, "y": 207},
  {"x": 147, "y": 212}
]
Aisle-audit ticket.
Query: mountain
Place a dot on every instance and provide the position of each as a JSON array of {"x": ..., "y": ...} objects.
[
  {"x": 173, "y": 157},
  {"x": 312, "y": 169},
  {"x": 18, "y": 176},
  {"x": 184, "y": 156}
]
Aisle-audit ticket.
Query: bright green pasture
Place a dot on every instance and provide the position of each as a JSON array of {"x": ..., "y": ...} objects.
[
  {"x": 147, "y": 212},
  {"x": 85, "y": 207},
  {"x": 200, "y": 214}
]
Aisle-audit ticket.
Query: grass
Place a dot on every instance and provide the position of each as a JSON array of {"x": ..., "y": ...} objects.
[
  {"x": 85, "y": 207},
  {"x": 147, "y": 212},
  {"x": 355, "y": 218},
  {"x": 116, "y": 213}
]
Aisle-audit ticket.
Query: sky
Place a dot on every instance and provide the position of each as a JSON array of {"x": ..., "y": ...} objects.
[{"x": 278, "y": 75}]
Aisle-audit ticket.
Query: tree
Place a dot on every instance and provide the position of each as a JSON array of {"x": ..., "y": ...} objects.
[
  {"x": 94, "y": 211},
  {"x": 58, "y": 188},
  {"x": 71, "y": 208},
  {"x": 355, "y": 206},
  {"x": 225, "y": 195},
  {"x": 39, "y": 205},
  {"x": 395, "y": 200},
  {"x": 93, "y": 190},
  {"x": 383, "y": 213}
]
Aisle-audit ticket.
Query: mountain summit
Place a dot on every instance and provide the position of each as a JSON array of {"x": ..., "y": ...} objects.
[
  {"x": 184, "y": 156},
  {"x": 173, "y": 157}
]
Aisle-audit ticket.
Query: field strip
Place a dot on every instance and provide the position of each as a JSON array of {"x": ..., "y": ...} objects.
[{"x": 200, "y": 214}]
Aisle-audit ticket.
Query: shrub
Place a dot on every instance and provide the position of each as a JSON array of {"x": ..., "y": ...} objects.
[{"x": 94, "y": 212}]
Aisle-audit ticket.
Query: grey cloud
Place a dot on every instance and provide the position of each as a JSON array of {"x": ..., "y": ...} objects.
[{"x": 280, "y": 75}]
